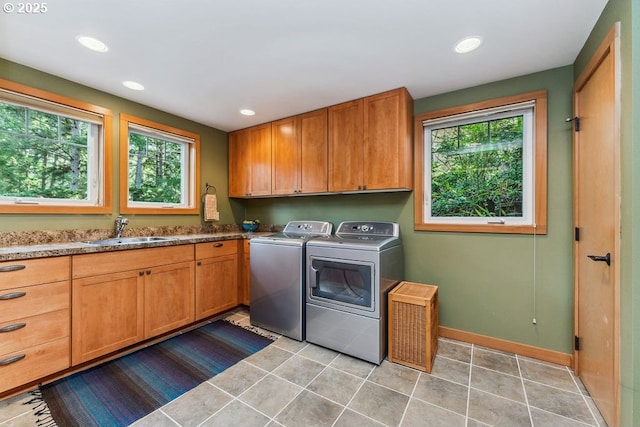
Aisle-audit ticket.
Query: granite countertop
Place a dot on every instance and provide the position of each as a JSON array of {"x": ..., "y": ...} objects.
[{"x": 26, "y": 251}]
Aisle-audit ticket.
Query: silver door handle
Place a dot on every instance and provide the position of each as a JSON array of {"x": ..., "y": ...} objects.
[{"x": 606, "y": 258}]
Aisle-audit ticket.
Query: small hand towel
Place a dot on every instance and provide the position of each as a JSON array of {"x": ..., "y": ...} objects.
[{"x": 211, "y": 208}]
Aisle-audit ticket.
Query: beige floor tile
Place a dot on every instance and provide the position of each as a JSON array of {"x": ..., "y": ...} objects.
[
  {"x": 238, "y": 378},
  {"x": 450, "y": 369},
  {"x": 380, "y": 403},
  {"x": 357, "y": 367},
  {"x": 558, "y": 377},
  {"x": 419, "y": 412},
  {"x": 497, "y": 411},
  {"x": 350, "y": 418},
  {"x": 269, "y": 358},
  {"x": 497, "y": 383},
  {"x": 196, "y": 405},
  {"x": 446, "y": 394},
  {"x": 309, "y": 409},
  {"x": 557, "y": 401},
  {"x": 299, "y": 370},
  {"x": 396, "y": 377},
  {"x": 270, "y": 395},
  {"x": 336, "y": 385},
  {"x": 236, "y": 413},
  {"x": 496, "y": 361}
]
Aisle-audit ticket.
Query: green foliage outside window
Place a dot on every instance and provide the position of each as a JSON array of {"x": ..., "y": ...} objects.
[
  {"x": 155, "y": 169},
  {"x": 42, "y": 155},
  {"x": 477, "y": 170}
]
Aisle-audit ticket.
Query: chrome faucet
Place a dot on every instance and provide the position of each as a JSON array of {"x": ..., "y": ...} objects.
[{"x": 121, "y": 223}]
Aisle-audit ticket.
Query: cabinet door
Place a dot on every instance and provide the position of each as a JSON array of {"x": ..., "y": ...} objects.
[
  {"x": 313, "y": 167},
  {"x": 285, "y": 149},
  {"x": 168, "y": 298},
  {"x": 107, "y": 314},
  {"x": 346, "y": 136},
  {"x": 388, "y": 148},
  {"x": 244, "y": 296},
  {"x": 260, "y": 160},
  {"x": 239, "y": 163},
  {"x": 216, "y": 285},
  {"x": 250, "y": 162}
]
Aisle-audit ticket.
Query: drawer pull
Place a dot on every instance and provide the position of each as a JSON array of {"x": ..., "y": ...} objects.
[
  {"x": 14, "y": 267},
  {"x": 12, "y": 295},
  {"x": 13, "y": 327},
  {"x": 12, "y": 359},
  {"x": 218, "y": 245}
]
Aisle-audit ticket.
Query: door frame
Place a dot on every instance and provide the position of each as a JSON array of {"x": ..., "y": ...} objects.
[{"x": 609, "y": 46}]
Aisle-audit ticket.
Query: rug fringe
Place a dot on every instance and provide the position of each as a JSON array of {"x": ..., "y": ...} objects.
[
  {"x": 254, "y": 329},
  {"x": 40, "y": 409}
]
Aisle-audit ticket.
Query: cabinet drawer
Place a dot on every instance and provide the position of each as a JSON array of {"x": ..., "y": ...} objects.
[
  {"x": 32, "y": 300},
  {"x": 134, "y": 259},
  {"x": 33, "y": 363},
  {"x": 15, "y": 274},
  {"x": 212, "y": 249},
  {"x": 36, "y": 330}
]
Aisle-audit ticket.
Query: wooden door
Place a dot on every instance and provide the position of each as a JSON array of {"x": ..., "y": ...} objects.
[
  {"x": 217, "y": 285},
  {"x": 388, "y": 149},
  {"x": 285, "y": 149},
  {"x": 107, "y": 314},
  {"x": 313, "y": 152},
  {"x": 346, "y": 135},
  {"x": 239, "y": 163},
  {"x": 169, "y": 298},
  {"x": 596, "y": 216},
  {"x": 260, "y": 160}
]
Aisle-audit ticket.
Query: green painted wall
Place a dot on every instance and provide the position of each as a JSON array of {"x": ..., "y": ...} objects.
[
  {"x": 627, "y": 12},
  {"x": 213, "y": 161},
  {"x": 486, "y": 280}
]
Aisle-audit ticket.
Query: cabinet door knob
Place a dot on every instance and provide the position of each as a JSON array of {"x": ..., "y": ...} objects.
[
  {"x": 148, "y": 272},
  {"x": 14, "y": 327},
  {"x": 12, "y": 359},
  {"x": 14, "y": 267},
  {"x": 141, "y": 273},
  {"x": 12, "y": 295},
  {"x": 199, "y": 263}
]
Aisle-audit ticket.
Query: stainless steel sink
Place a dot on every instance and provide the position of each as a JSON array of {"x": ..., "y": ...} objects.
[{"x": 129, "y": 240}]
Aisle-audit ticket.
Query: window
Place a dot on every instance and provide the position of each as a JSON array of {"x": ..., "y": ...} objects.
[
  {"x": 482, "y": 167},
  {"x": 55, "y": 154},
  {"x": 158, "y": 168}
]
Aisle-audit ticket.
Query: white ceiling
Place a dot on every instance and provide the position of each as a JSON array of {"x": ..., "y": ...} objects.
[{"x": 205, "y": 60}]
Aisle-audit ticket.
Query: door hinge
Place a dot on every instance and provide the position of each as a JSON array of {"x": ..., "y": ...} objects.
[
  {"x": 576, "y": 343},
  {"x": 576, "y": 123},
  {"x": 576, "y": 234}
]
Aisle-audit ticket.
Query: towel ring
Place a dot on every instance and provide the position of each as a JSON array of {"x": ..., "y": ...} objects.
[{"x": 207, "y": 188}]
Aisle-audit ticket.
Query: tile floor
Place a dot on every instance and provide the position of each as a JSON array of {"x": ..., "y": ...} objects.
[{"x": 300, "y": 384}]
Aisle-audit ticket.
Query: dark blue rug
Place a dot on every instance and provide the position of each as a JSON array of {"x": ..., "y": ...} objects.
[{"x": 121, "y": 391}]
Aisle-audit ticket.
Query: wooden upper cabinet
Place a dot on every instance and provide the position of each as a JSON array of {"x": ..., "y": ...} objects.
[
  {"x": 360, "y": 145},
  {"x": 388, "y": 141},
  {"x": 370, "y": 143},
  {"x": 346, "y": 136},
  {"x": 250, "y": 162},
  {"x": 299, "y": 154}
]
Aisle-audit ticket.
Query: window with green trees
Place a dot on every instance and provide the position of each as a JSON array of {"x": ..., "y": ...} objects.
[
  {"x": 481, "y": 167},
  {"x": 160, "y": 167},
  {"x": 51, "y": 155}
]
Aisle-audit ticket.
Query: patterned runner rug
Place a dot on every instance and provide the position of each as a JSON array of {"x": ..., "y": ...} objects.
[{"x": 121, "y": 391}]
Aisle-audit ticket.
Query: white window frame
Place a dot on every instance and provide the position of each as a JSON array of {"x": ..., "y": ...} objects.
[
  {"x": 533, "y": 220},
  {"x": 98, "y": 155},
  {"x": 190, "y": 148}
]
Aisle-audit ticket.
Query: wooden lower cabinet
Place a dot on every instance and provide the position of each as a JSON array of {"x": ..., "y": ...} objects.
[
  {"x": 151, "y": 293},
  {"x": 216, "y": 277},
  {"x": 34, "y": 320},
  {"x": 244, "y": 285}
]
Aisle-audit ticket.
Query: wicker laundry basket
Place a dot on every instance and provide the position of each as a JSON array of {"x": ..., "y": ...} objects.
[{"x": 413, "y": 325}]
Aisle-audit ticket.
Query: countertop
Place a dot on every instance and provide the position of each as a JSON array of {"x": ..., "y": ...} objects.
[{"x": 11, "y": 253}]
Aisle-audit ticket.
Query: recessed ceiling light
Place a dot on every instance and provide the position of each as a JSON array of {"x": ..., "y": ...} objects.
[
  {"x": 468, "y": 44},
  {"x": 133, "y": 85},
  {"x": 92, "y": 43},
  {"x": 247, "y": 112}
]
